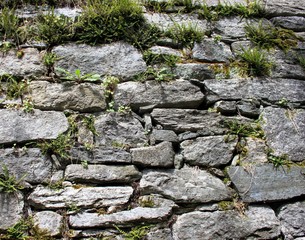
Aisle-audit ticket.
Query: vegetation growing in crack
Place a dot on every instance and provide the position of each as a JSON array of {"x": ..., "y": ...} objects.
[
  {"x": 8, "y": 182},
  {"x": 77, "y": 76},
  {"x": 135, "y": 233},
  {"x": 13, "y": 87},
  {"x": 243, "y": 129},
  {"x": 167, "y": 59}
]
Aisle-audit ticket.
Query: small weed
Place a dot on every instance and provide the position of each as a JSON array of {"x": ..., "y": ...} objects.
[
  {"x": 89, "y": 122},
  {"x": 49, "y": 60},
  {"x": 283, "y": 102},
  {"x": 244, "y": 129},
  {"x": 124, "y": 109},
  {"x": 19, "y": 231},
  {"x": 56, "y": 185},
  {"x": 14, "y": 88},
  {"x": 28, "y": 105},
  {"x": 110, "y": 83},
  {"x": 72, "y": 207},
  {"x": 9, "y": 25},
  {"x": 301, "y": 60},
  {"x": 8, "y": 182},
  {"x": 147, "y": 201},
  {"x": 278, "y": 161},
  {"x": 84, "y": 164},
  {"x": 136, "y": 233},
  {"x": 77, "y": 76},
  {"x": 5, "y": 47},
  {"x": 221, "y": 70},
  {"x": 225, "y": 205},
  {"x": 164, "y": 74},
  {"x": 167, "y": 59}
]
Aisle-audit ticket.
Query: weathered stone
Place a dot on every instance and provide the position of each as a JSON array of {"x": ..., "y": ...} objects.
[
  {"x": 179, "y": 93},
  {"x": 164, "y": 234},
  {"x": 284, "y": 8},
  {"x": 226, "y": 107},
  {"x": 118, "y": 59},
  {"x": 187, "y": 185},
  {"x": 133, "y": 216},
  {"x": 161, "y": 155},
  {"x": 267, "y": 183},
  {"x": 30, "y": 126},
  {"x": 110, "y": 155},
  {"x": 208, "y": 151},
  {"x": 292, "y": 217},
  {"x": 259, "y": 222},
  {"x": 84, "y": 97},
  {"x": 268, "y": 89},
  {"x": 102, "y": 174},
  {"x": 285, "y": 132},
  {"x": 200, "y": 71},
  {"x": 49, "y": 221},
  {"x": 11, "y": 209},
  {"x": 85, "y": 197},
  {"x": 165, "y": 51},
  {"x": 29, "y": 65},
  {"x": 252, "y": 151},
  {"x": 293, "y": 23},
  {"x": 163, "y": 135},
  {"x": 30, "y": 164},
  {"x": 248, "y": 109},
  {"x": 210, "y": 51}
]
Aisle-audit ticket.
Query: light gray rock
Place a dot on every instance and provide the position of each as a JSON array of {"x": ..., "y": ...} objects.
[
  {"x": 165, "y": 51},
  {"x": 179, "y": 93},
  {"x": 84, "y": 97},
  {"x": 161, "y": 155},
  {"x": 164, "y": 234},
  {"x": 127, "y": 218},
  {"x": 163, "y": 135},
  {"x": 252, "y": 151},
  {"x": 285, "y": 132},
  {"x": 68, "y": 12},
  {"x": 267, "y": 183},
  {"x": 118, "y": 59},
  {"x": 84, "y": 197},
  {"x": 292, "y": 217},
  {"x": 268, "y": 89},
  {"x": 30, "y": 126},
  {"x": 30, "y": 164},
  {"x": 210, "y": 51},
  {"x": 284, "y": 8},
  {"x": 29, "y": 65},
  {"x": 199, "y": 71},
  {"x": 208, "y": 151},
  {"x": 102, "y": 174},
  {"x": 49, "y": 221},
  {"x": 102, "y": 154},
  {"x": 187, "y": 185},
  {"x": 11, "y": 209},
  {"x": 259, "y": 222},
  {"x": 293, "y": 23}
]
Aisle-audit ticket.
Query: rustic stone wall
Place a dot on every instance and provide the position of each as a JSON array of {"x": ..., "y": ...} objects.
[{"x": 197, "y": 157}]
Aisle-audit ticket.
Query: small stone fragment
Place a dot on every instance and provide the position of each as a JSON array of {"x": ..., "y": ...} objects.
[{"x": 49, "y": 221}]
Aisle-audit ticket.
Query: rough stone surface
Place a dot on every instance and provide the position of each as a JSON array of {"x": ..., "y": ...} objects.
[
  {"x": 226, "y": 107},
  {"x": 163, "y": 135},
  {"x": 267, "y": 183},
  {"x": 210, "y": 51},
  {"x": 185, "y": 185},
  {"x": 293, "y": 23},
  {"x": 83, "y": 97},
  {"x": 29, "y": 65},
  {"x": 208, "y": 151},
  {"x": 118, "y": 59},
  {"x": 161, "y": 155},
  {"x": 253, "y": 151},
  {"x": 164, "y": 234},
  {"x": 284, "y": 8},
  {"x": 259, "y": 222},
  {"x": 292, "y": 217},
  {"x": 285, "y": 132},
  {"x": 49, "y": 221},
  {"x": 165, "y": 51},
  {"x": 11, "y": 209},
  {"x": 30, "y": 126},
  {"x": 46, "y": 198},
  {"x": 102, "y": 174},
  {"x": 248, "y": 109},
  {"x": 200, "y": 71},
  {"x": 32, "y": 165},
  {"x": 179, "y": 93}
]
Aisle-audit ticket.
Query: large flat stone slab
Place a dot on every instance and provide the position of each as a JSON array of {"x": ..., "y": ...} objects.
[
  {"x": 284, "y": 8},
  {"x": 187, "y": 185},
  {"x": 285, "y": 132},
  {"x": 118, "y": 59},
  {"x": 18, "y": 126},
  {"x": 29, "y": 164},
  {"x": 179, "y": 93},
  {"x": 102, "y": 174},
  {"x": 84, "y": 197},
  {"x": 83, "y": 97},
  {"x": 265, "y": 183},
  {"x": 293, "y": 23},
  {"x": 259, "y": 222}
]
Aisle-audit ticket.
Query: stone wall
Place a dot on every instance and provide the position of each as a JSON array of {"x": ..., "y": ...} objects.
[{"x": 197, "y": 157}]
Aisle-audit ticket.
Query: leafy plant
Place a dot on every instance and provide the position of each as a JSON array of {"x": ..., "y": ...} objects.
[
  {"x": 49, "y": 60},
  {"x": 14, "y": 88},
  {"x": 301, "y": 60},
  {"x": 28, "y": 105},
  {"x": 278, "y": 161},
  {"x": 19, "y": 231},
  {"x": 9, "y": 24},
  {"x": 136, "y": 233},
  {"x": 164, "y": 74},
  {"x": 89, "y": 122},
  {"x": 152, "y": 58},
  {"x": 77, "y": 76},
  {"x": 244, "y": 129},
  {"x": 8, "y": 182},
  {"x": 110, "y": 83}
]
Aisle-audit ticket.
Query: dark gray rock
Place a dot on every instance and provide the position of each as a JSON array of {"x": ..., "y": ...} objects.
[
  {"x": 83, "y": 97},
  {"x": 161, "y": 155},
  {"x": 49, "y": 221},
  {"x": 29, "y": 65},
  {"x": 268, "y": 89},
  {"x": 163, "y": 135},
  {"x": 102, "y": 154},
  {"x": 199, "y": 71},
  {"x": 208, "y": 151},
  {"x": 83, "y": 197},
  {"x": 102, "y": 174},
  {"x": 179, "y": 93},
  {"x": 292, "y": 217},
  {"x": 293, "y": 23},
  {"x": 285, "y": 132},
  {"x": 226, "y": 107},
  {"x": 284, "y": 8},
  {"x": 267, "y": 183},
  {"x": 187, "y": 185},
  {"x": 248, "y": 109},
  {"x": 11, "y": 209},
  {"x": 118, "y": 59},
  {"x": 30, "y": 126},
  {"x": 27, "y": 164},
  {"x": 259, "y": 222},
  {"x": 210, "y": 51}
]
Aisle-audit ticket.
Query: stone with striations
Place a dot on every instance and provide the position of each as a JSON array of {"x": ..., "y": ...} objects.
[
  {"x": 291, "y": 22},
  {"x": 159, "y": 135},
  {"x": 199, "y": 71},
  {"x": 284, "y": 8},
  {"x": 49, "y": 221},
  {"x": 30, "y": 126}
]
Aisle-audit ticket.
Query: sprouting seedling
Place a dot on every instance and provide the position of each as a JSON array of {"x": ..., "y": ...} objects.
[{"x": 77, "y": 75}]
